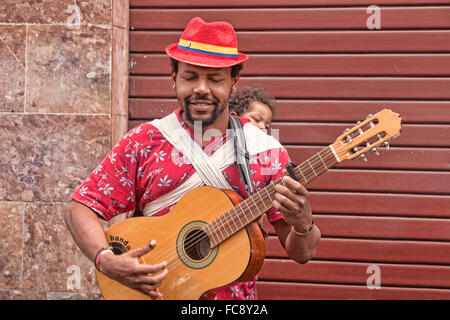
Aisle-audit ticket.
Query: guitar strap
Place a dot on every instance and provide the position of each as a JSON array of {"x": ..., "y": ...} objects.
[
  {"x": 242, "y": 154},
  {"x": 208, "y": 170},
  {"x": 169, "y": 126},
  {"x": 243, "y": 161}
]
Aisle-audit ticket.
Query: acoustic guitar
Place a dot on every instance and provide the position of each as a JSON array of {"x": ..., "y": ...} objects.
[{"x": 210, "y": 238}]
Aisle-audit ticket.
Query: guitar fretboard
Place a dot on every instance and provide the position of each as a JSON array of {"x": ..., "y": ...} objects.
[{"x": 254, "y": 206}]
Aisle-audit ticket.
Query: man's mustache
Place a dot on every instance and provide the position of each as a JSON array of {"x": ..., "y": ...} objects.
[{"x": 203, "y": 98}]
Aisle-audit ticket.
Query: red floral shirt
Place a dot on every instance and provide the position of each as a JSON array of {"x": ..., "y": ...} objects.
[{"x": 144, "y": 166}]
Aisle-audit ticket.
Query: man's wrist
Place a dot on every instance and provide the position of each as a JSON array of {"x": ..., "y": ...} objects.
[
  {"x": 100, "y": 253},
  {"x": 105, "y": 262},
  {"x": 305, "y": 232}
]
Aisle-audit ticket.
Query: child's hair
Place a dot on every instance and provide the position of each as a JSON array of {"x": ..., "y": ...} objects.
[{"x": 240, "y": 102}]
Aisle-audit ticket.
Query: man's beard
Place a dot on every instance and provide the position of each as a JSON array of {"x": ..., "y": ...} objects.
[{"x": 218, "y": 109}]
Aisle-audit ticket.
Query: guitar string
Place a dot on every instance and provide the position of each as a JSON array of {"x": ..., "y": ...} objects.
[
  {"x": 193, "y": 241},
  {"x": 227, "y": 222},
  {"x": 176, "y": 262},
  {"x": 173, "y": 264},
  {"x": 338, "y": 151},
  {"x": 200, "y": 237}
]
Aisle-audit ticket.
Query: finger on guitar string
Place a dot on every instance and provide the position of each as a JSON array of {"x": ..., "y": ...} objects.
[
  {"x": 151, "y": 281},
  {"x": 131, "y": 270},
  {"x": 145, "y": 269},
  {"x": 293, "y": 185},
  {"x": 144, "y": 266},
  {"x": 287, "y": 210},
  {"x": 294, "y": 206},
  {"x": 147, "y": 282},
  {"x": 139, "y": 252},
  {"x": 285, "y": 199}
]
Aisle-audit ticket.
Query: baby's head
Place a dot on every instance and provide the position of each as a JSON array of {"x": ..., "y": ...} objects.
[{"x": 255, "y": 104}]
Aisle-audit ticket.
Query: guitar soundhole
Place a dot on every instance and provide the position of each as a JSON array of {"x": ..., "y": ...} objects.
[
  {"x": 196, "y": 245},
  {"x": 193, "y": 246}
]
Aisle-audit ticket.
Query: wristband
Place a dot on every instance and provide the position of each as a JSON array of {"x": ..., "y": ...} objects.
[
  {"x": 307, "y": 231},
  {"x": 99, "y": 255}
]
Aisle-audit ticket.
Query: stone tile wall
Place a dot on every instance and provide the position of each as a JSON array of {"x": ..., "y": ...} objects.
[{"x": 63, "y": 93}]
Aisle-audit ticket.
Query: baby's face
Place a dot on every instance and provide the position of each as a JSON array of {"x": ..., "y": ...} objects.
[{"x": 259, "y": 114}]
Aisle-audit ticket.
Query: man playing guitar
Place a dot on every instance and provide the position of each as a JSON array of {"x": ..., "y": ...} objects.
[{"x": 144, "y": 167}]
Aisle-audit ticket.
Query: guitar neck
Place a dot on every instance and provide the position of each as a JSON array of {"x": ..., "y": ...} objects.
[{"x": 254, "y": 206}]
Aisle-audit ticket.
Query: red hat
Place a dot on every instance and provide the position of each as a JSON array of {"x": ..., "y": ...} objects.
[{"x": 207, "y": 45}]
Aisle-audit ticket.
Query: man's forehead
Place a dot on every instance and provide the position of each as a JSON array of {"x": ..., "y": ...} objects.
[{"x": 186, "y": 67}]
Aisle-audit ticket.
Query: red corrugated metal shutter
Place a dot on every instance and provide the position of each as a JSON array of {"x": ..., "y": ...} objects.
[{"x": 387, "y": 219}]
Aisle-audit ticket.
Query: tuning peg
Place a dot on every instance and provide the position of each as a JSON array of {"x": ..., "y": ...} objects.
[
  {"x": 375, "y": 150},
  {"x": 386, "y": 144},
  {"x": 363, "y": 156},
  {"x": 360, "y": 131},
  {"x": 347, "y": 138},
  {"x": 369, "y": 116}
]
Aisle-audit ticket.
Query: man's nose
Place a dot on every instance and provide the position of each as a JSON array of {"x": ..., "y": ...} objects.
[{"x": 201, "y": 86}]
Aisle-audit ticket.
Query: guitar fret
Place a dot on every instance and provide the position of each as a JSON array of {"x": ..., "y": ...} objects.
[
  {"x": 220, "y": 228},
  {"x": 304, "y": 178},
  {"x": 207, "y": 229},
  {"x": 226, "y": 224},
  {"x": 256, "y": 205},
  {"x": 262, "y": 201},
  {"x": 243, "y": 212},
  {"x": 248, "y": 211},
  {"x": 214, "y": 229},
  {"x": 312, "y": 168},
  {"x": 231, "y": 217},
  {"x": 268, "y": 194},
  {"x": 273, "y": 186},
  {"x": 237, "y": 215},
  {"x": 322, "y": 160}
]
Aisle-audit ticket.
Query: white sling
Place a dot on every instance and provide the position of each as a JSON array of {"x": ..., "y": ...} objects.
[{"x": 208, "y": 169}]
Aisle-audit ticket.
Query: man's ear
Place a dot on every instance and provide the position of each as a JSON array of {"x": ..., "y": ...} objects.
[
  {"x": 173, "y": 77},
  {"x": 235, "y": 84},
  {"x": 233, "y": 113}
]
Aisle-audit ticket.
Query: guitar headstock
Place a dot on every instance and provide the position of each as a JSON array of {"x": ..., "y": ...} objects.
[{"x": 376, "y": 131}]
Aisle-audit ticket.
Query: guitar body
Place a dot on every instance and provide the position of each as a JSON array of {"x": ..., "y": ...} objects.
[{"x": 192, "y": 270}]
